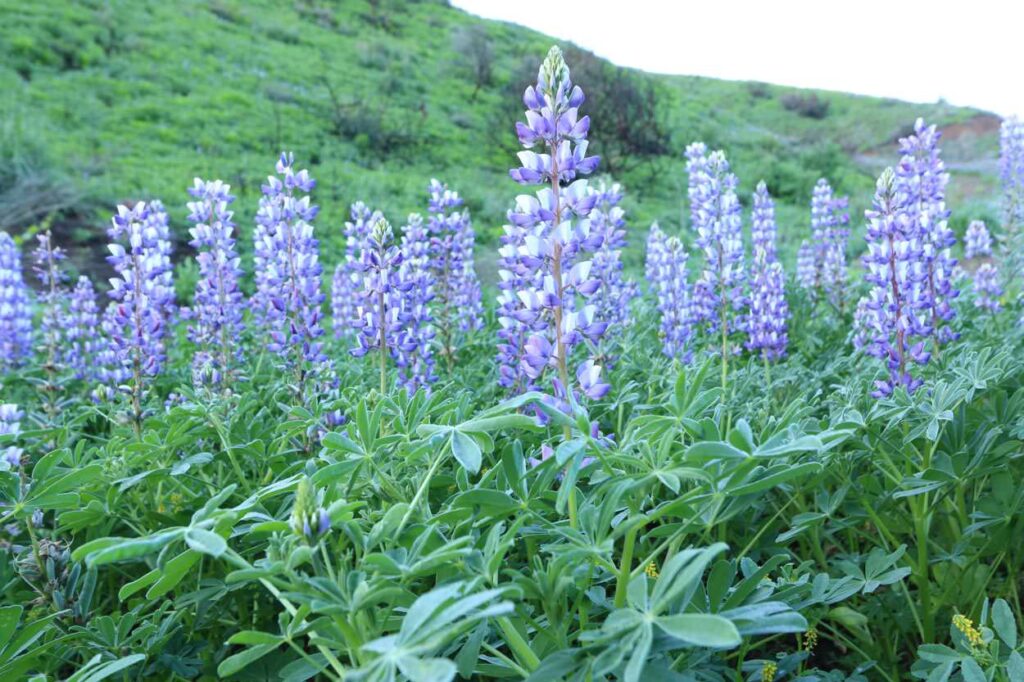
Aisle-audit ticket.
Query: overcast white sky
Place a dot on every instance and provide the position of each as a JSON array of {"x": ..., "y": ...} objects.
[{"x": 970, "y": 52}]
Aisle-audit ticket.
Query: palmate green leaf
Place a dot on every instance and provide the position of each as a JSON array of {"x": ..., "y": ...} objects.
[
  {"x": 466, "y": 451},
  {"x": 206, "y": 542},
  {"x": 9, "y": 617},
  {"x": 1015, "y": 667},
  {"x": 971, "y": 671},
  {"x": 238, "y": 662},
  {"x": 776, "y": 478},
  {"x": 120, "y": 549},
  {"x": 57, "y": 494},
  {"x": 96, "y": 669},
  {"x": 1004, "y": 623},
  {"x": 712, "y": 450},
  {"x": 701, "y": 629}
]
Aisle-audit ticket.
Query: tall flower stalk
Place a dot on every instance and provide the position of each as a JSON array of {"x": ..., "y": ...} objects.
[
  {"x": 718, "y": 297},
  {"x": 81, "y": 342},
  {"x": 1011, "y": 173},
  {"x": 666, "y": 271},
  {"x": 890, "y": 317},
  {"x": 142, "y": 298},
  {"x": 288, "y": 298},
  {"x": 822, "y": 266},
  {"x": 921, "y": 180},
  {"x": 416, "y": 355},
  {"x": 612, "y": 300},
  {"x": 217, "y": 305},
  {"x": 346, "y": 285},
  {"x": 457, "y": 303},
  {"x": 47, "y": 259},
  {"x": 767, "y": 320},
  {"x": 557, "y": 279},
  {"x": 379, "y": 313},
  {"x": 15, "y": 313}
]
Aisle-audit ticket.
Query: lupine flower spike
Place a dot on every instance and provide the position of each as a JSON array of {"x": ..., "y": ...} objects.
[
  {"x": 347, "y": 285},
  {"x": 890, "y": 318},
  {"x": 548, "y": 236},
  {"x": 612, "y": 300},
  {"x": 1011, "y": 172},
  {"x": 15, "y": 313},
  {"x": 921, "y": 180},
  {"x": 47, "y": 265},
  {"x": 288, "y": 297},
  {"x": 821, "y": 263},
  {"x": 415, "y": 357},
  {"x": 666, "y": 268},
  {"x": 81, "y": 342},
  {"x": 767, "y": 321},
  {"x": 138, "y": 319},
  {"x": 457, "y": 303},
  {"x": 217, "y": 304},
  {"x": 718, "y": 296}
]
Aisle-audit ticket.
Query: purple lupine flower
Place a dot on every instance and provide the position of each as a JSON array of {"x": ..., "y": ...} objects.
[
  {"x": 977, "y": 241},
  {"x": 921, "y": 180},
  {"x": 47, "y": 259},
  {"x": 458, "y": 308},
  {"x": 829, "y": 235},
  {"x": 666, "y": 265},
  {"x": 380, "y": 312},
  {"x": 288, "y": 300},
  {"x": 346, "y": 285},
  {"x": 987, "y": 289},
  {"x": 158, "y": 229},
  {"x": 718, "y": 296},
  {"x": 217, "y": 304},
  {"x": 142, "y": 298},
  {"x": 513, "y": 276},
  {"x": 82, "y": 344},
  {"x": 892, "y": 315},
  {"x": 1011, "y": 172},
  {"x": 607, "y": 219},
  {"x": 110, "y": 374},
  {"x": 805, "y": 271},
  {"x": 767, "y": 321},
  {"x": 556, "y": 282},
  {"x": 15, "y": 313},
  {"x": 415, "y": 359},
  {"x": 10, "y": 425}
]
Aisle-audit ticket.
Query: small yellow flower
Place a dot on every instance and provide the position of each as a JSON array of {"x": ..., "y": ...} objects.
[
  {"x": 966, "y": 626},
  {"x": 768, "y": 671},
  {"x": 651, "y": 570},
  {"x": 810, "y": 640}
]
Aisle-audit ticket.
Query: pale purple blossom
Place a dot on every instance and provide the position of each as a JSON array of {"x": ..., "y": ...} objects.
[
  {"x": 666, "y": 267},
  {"x": 767, "y": 319},
  {"x": 987, "y": 288},
  {"x": 977, "y": 241},
  {"x": 82, "y": 342},
  {"x": 347, "y": 285},
  {"x": 15, "y": 312},
  {"x": 10, "y": 425}
]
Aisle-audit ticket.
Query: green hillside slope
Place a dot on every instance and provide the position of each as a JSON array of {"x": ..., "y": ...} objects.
[{"x": 113, "y": 100}]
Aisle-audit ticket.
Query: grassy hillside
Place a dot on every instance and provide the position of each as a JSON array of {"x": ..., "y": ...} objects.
[{"x": 109, "y": 100}]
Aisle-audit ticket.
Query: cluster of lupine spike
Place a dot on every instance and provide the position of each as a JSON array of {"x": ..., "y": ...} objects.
[
  {"x": 767, "y": 320},
  {"x": 821, "y": 263},
  {"x": 987, "y": 286},
  {"x": 415, "y": 358},
  {"x": 288, "y": 297},
  {"x": 718, "y": 295},
  {"x": 217, "y": 305},
  {"x": 891, "y": 319},
  {"x": 612, "y": 300},
  {"x": 380, "y": 308},
  {"x": 666, "y": 272},
  {"x": 10, "y": 425},
  {"x": 1011, "y": 170},
  {"x": 547, "y": 239},
  {"x": 15, "y": 313},
  {"x": 142, "y": 292},
  {"x": 458, "y": 306},
  {"x": 47, "y": 264},
  {"x": 346, "y": 285},
  {"x": 921, "y": 180},
  {"x": 81, "y": 343}
]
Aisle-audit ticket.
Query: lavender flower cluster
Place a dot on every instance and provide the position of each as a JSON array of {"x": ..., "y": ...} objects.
[
  {"x": 767, "y": 320},
  {"x": 891, "y": 319},
  {"x": 1011, "y": 171},
  {"x": 218, "y": 302},
  {"x": 666, "y": 272},
  {"x": 546, "y": 280},
  {"x": 10, "y": 425},
  {"x": 607, "y": 219},
  {"x": 81, "y": 343},
  {"x": 346, "y": 284},
  {"x": 415, "y": 357},
  {"x": 142, "y": 292},
  {"x": 718, "y": 295},
  {"x": 458, "y": 307},
  {"x": 15, "y": 313},
  {"x": 821, "y": 265},
  {"x": 921, "y": 180},
  {"x": 287, "y": 303},
  {"x": 977, "y": 241}
]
